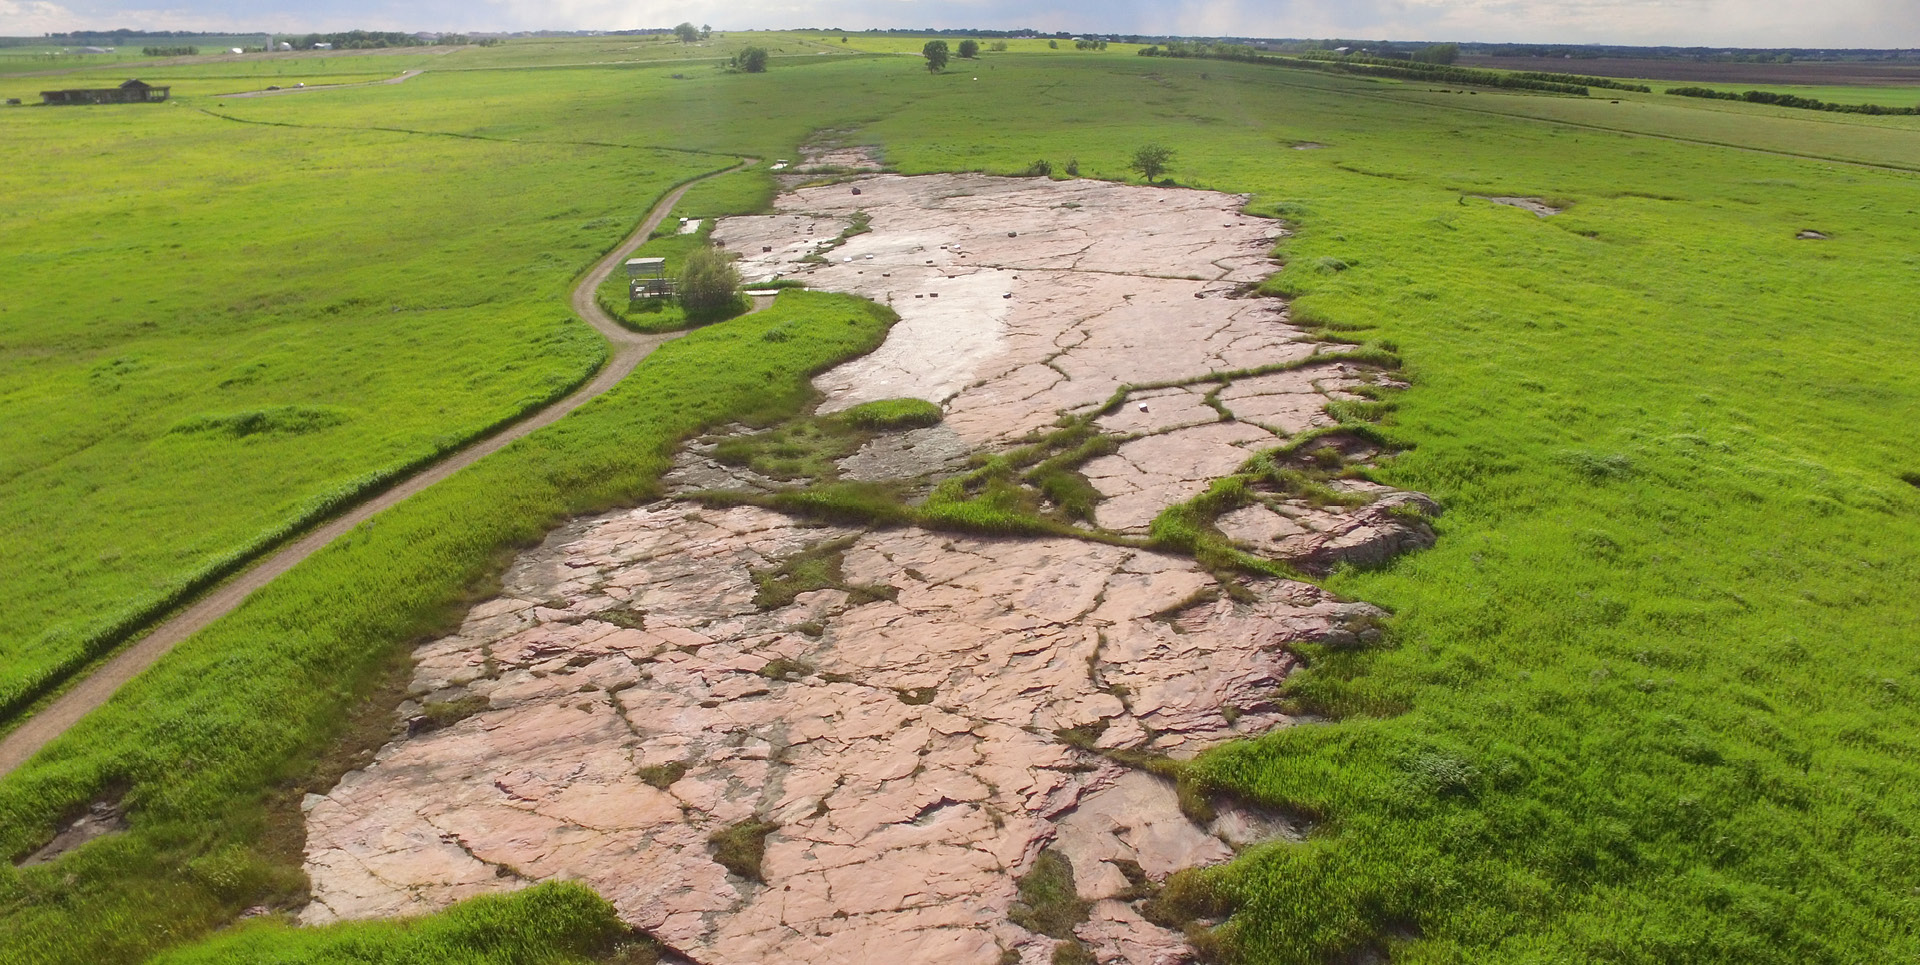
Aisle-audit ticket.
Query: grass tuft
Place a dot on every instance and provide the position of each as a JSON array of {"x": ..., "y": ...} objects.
[
  {"x": 740, "y": 847},
  {"x": 1048, "y": 904}
]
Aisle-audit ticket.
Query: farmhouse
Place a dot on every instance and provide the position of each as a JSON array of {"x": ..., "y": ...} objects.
[{"x": 131, "y": 92}]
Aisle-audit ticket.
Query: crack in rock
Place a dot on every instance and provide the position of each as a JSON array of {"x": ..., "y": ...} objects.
[
  {"x": 901, "y": 826},
  {"x": 638, "y": 701}
]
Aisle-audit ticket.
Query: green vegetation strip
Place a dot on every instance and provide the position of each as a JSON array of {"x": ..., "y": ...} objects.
[
  {"x": 1790, "y": 100},
  {"x": 1374, "y": 67},
  {"x": 549, "y": 924},
  {"x": 257, "y": 698}
]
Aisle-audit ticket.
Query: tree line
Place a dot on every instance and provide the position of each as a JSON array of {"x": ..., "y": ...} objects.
[
  {"x": 1790, "y": 100},
  {"x": 1348, "y": 64}
]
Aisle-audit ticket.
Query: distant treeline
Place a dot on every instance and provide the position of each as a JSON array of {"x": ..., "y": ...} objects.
[
  {"x": 169, "y": 51},
  {"x": 1790, "y": 100},
  {"x": 373, "y": 40},
  {"x": 1369, "y": 66},
  {"x": 1711, "y": 55},
  {"x": 358, "y": 40},
  {"x": 1445, "y": 65}
]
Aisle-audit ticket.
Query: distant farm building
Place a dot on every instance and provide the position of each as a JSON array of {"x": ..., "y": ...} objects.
[
  {"x": 131, "y": 92},
  {"x": 647, "y": 278}
]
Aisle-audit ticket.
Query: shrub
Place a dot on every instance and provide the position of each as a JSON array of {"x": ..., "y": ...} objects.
[
  {"x": 752, "y": 60},
  {"x": 708, "y": 284},
  {"x": 969, "y": 49},
  {"x": 1151, "y": 161}
]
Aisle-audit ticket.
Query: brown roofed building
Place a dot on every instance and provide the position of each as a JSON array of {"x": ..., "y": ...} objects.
[{"x": 131, "y": 92}]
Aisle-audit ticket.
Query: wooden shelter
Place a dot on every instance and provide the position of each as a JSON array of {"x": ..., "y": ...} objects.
[
  {"x": 131, "y": 92},
  {"x": 647, "y": 278}
]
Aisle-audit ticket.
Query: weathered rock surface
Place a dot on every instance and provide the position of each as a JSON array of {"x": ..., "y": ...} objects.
[
  {"x": 922, "y": 728},
  {"x": 1052, "y": 295},
  {"x": 904, "y": 746},
  {"x": 1102, "y": 279}
]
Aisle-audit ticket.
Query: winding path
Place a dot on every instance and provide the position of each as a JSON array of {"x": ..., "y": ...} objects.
[{"x": 628, "y": 349}]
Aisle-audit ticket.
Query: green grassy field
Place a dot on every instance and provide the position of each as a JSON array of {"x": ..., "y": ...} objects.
[
  {"x": 1649, "y": 700},
  {"x": 216, "y": 331},
  {"x": 551, "y": 924}
]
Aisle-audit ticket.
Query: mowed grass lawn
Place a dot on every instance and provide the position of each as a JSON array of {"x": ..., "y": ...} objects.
[
  {"x": 211, "y": 331},
  {"x": 1651, "y": 699}
]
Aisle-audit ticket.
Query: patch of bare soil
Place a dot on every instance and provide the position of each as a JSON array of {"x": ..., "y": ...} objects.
[
  {"x": 1534, "y": 205},
  {"x": 100, "y": 819},
  {"x": 771, "y": 741}
]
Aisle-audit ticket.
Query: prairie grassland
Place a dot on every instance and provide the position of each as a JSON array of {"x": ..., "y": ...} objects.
[
  {"x": 184, "y": 85},
  {"x": 1649, "y": 700},
  {"x": 210, "y": 75},
  {"x": 215, "y": 332}
]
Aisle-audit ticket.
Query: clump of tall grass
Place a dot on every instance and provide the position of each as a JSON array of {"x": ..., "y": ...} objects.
[{"x": 555, "y": 923}]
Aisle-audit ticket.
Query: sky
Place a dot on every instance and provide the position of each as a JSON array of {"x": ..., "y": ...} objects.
[{"x": 1721, "y": 23}]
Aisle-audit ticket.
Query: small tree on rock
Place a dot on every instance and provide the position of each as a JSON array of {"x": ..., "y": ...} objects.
[
  {"x": 753, "y": 60},
  {"x": 936, "y": 53},
  {"x": 1151, "y": 161},
  {"x": 709, "y": 285},
  {"x": 969, "y": 49}
]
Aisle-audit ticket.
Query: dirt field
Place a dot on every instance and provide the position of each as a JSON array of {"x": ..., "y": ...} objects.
[{"x": 1840, "y": 74}]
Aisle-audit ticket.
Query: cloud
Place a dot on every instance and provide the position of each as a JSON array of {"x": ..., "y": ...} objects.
[
  {"x": 30, "y": 19},
  {"x": 1759, "y": 23}
]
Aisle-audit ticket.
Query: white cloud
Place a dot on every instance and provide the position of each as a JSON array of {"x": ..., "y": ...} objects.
[{"x": 33, "y": 18}]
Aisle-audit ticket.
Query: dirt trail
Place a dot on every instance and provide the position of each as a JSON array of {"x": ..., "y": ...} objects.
[
  {"x": 404, "y": 76},
  {"x": 628, "y": 349}
]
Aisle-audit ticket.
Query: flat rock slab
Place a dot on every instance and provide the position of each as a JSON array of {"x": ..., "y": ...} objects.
[
  {"x": 918, "y": 732},
  {"x": 1534, "y": 205},
  {"x": 1021, "y": 298},
  {"x": 1051, "y": 297},
  {"x": 906, "y": 747}
]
